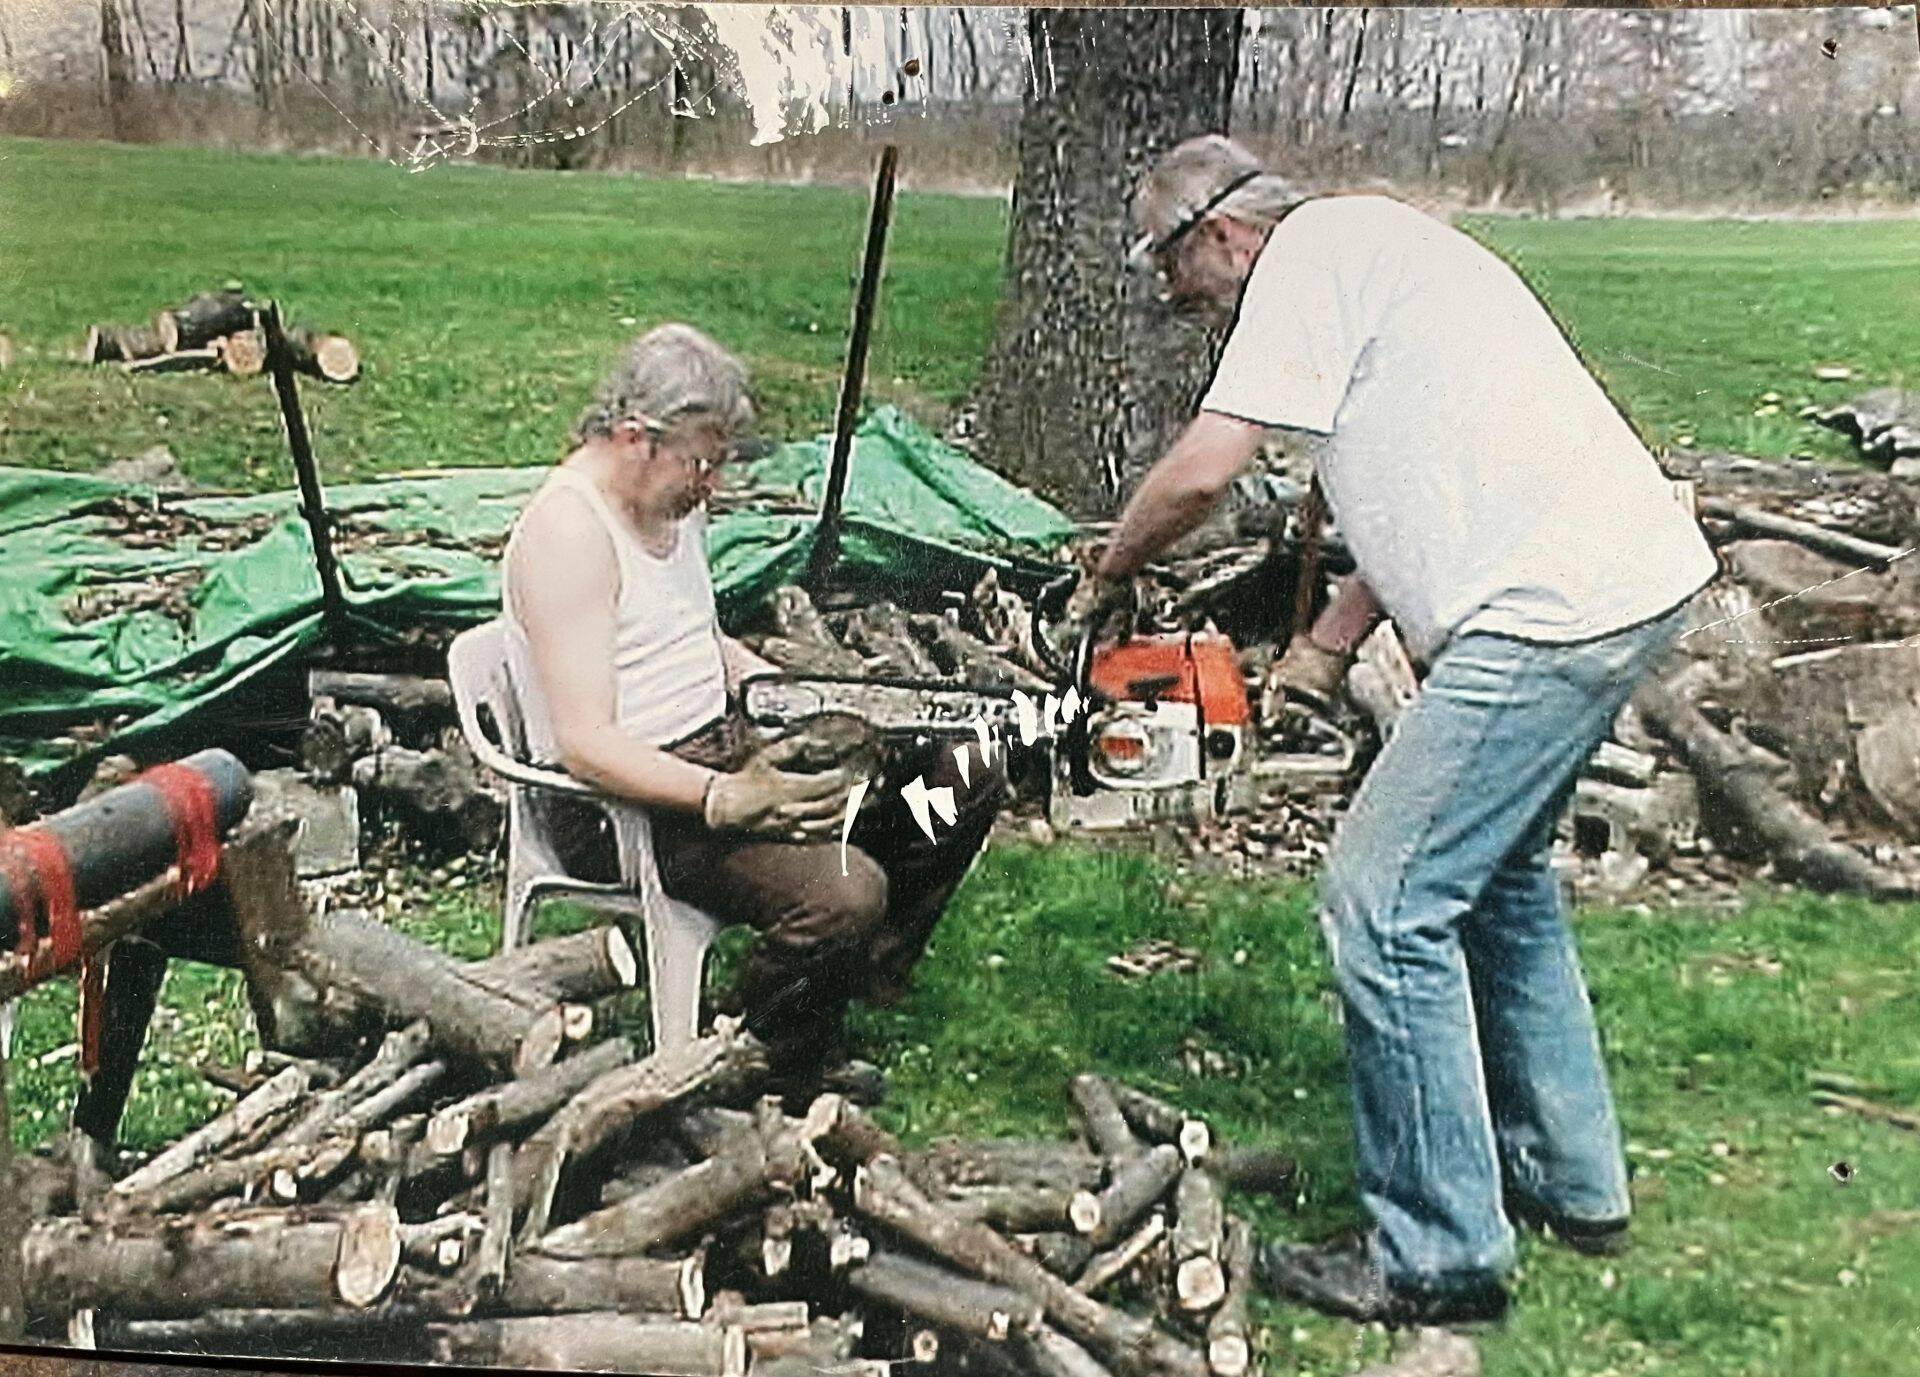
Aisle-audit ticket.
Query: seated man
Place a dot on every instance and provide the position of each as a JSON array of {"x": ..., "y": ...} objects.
[{"x": 631, "y": 687}]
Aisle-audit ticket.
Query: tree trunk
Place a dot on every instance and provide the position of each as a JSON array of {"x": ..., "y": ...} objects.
[
  {"x": 1090, "y": 375},
  {"x": 113, "y": 51}
]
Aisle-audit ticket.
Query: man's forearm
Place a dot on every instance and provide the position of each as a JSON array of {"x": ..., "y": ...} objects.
[
  {"x": 1179, "y": 491},
  {"x": 613, "y": 762}
]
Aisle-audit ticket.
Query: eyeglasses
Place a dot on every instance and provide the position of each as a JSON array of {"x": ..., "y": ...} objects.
[{"x": 1161, "y": 253}]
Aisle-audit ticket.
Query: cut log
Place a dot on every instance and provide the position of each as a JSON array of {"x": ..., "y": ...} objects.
[
  {"x": 635, "y": 1285},
  {"x": 393, "y": 694},
  {"x": 243, "y": 353},
  {"x": 1136, "y": 1185},
  {"x": 496, "y": 1239},
  {"x": 120, "y": 344},
  {"x": 598, "y": 1342},
  {"x": 1012, "y": 1209},
  {"x": 1053, "y": 1354},
  {"x": 258, "y": 1260},
  {"x": 964, "y": 656},
  {"x": 1796, "y": 841},
  {"x": 271, "y": 1101},
  {"x": 747, "y": 1170},
  {"x": 331, "y": 358},
  {"x": 1161, "y": 1122},
  {"x": 180, "y": 361},
  {"x": 204, "y": 318},
  {"x": 435, "y": 789},
  {"x": 1261, "y": 1170},
  {"x": 1106, "y": 1127},
  {"x": 1229, "y": 1335},
  {"x": 1199, "y": 1281},
  {"x": 336, "y": 736},
  {"x": 1103, "y": 1269},
  {"x": 728, "y": 1057},
  {"x": 574, "y": 969},
  {"x": 880, "y": 632},
  {"x": 370, "y": 969},
  {"x": 1064, "y": 1254},
  {"x": 385, "y": 1329},
  {"x": 844, "y": 1136},
  {"x": 1837, "y": 544},
  {"x": 883, "y": 1193},
  {"x": 504, "y": 1108}
]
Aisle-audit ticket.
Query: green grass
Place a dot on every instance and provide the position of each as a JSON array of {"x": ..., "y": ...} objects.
[
  {"x": 1750, "y": 1259},
  {"x": 487, "y": 301}
]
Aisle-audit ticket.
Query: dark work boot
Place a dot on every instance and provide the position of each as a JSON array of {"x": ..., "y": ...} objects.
[
  {"x": 1591, "y": 1237},
  {"x": 1343, "y": 1281}
]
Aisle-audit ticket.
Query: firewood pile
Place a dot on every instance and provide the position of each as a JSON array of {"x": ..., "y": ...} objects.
[
  {"x": 490, "y": 1181},
  {"x": 216, "y": 332}
]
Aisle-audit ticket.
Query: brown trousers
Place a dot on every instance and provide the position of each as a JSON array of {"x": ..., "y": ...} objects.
[{"x": 828, "y": 938}]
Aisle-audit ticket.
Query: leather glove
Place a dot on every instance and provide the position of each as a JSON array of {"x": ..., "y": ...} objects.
[
  {"x": 1307, "y": 672},
  {"x": 766, "y": 801},
  {"x": 1104, "y": 608}
]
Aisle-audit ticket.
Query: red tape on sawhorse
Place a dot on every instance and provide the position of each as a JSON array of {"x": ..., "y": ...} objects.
[
  {"x": 41, "y": 876},
  {"x": 194, "y": 812}
]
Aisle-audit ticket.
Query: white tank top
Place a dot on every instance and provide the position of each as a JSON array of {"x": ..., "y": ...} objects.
[{"x": 668, "y": 677}]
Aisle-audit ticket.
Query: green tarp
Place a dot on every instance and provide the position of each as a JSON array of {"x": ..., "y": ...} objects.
[{"x": 123, "y": 612}]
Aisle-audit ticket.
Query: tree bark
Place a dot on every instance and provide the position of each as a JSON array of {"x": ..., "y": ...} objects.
[
  {"x": 1090, "y": 375},
  {"x": 945, "y": 1298},
  {"x": 503, "y": 1108},
  {"x": 1136, "y": 1346},
  {"x": 204, "y": 318},
  {"x": 1106, "y": 1127},
  {"x": 600, "y": 1342},
  {"x": 1229, "y": 1336},
  {"x": 643, "y": 1285},
  {"x": 1136, "y": 1185},
  {"x": 277, "y": 1260},
  {"x": 1199, "y": 1281}
]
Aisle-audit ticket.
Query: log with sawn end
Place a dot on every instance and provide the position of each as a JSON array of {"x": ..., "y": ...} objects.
[
  {"x": 602, "y": 1341},
  {"x": 1199, "y": 1282},
  {"x": 204, "y": 318},
  {"x": 1793, "y": 837},
  {"x": 1229, "y": 1334},
  {"x": 1106, "y": 1127},
  {"x": 1136, "y": 1346},
  {"x": 530, "y": 1099},
  {"x": 1163, "y": 1122},
  {"x": 728, "y": 1057},
  {"x": 538, "y": 1285},
  {"x": 959, "y": 1165},
  {"x": 271, "y": 1100},
  {"x": 573, "y": 969},
  {"x": 1135, "y": 1186},
  {"x": 366, "y": 965},
  {"x": 749, "y": 1169},
  {"x": 945, "y": 1298},
  {"x": 331, "y": 358},
  {"x": 1255, "y": 1168},
  {"x": 1011, "y": 1209},
  {"x": 1103, "y": 1269},
  {"x": 178, "y": 1267}
]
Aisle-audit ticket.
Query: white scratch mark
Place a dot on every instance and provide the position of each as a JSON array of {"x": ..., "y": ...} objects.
[
  {"x": 920, "y": 799},
  {"x": 854, "y": 797}
]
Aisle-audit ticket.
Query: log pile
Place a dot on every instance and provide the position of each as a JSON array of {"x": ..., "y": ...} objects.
[
  {"x": 216, "y": 332},
  {"x": 488, "y": 1184}
]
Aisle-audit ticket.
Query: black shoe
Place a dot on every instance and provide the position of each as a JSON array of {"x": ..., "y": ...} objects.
[
  {"x": 1591, "y": 1237},
  {"x": 1344, "y": 1282}
]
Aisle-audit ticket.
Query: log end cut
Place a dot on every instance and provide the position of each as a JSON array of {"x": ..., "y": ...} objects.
[{"x": 370, "y": 1249}]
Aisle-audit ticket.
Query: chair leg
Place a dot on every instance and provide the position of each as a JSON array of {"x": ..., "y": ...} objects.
[
  {"x": 515, "y": 911},
  {"x": 676, "y": 966}
]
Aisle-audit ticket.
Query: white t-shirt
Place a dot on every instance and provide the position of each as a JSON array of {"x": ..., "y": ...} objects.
[{"x": 1481, "y": 477}]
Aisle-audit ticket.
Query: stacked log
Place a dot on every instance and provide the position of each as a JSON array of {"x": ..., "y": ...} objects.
[
  {"x": 449, "y": 1200},
  {"x": 216, "y": 331}
]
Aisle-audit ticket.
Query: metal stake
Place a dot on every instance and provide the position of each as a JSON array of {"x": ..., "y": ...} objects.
[
  {"x": 333, "y": 603},
  {"x": 826, "y": 541}
]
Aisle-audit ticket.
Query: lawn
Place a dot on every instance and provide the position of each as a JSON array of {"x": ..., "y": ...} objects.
[
  {"x": 486, "y": 301},
  {"x": 1751, "y": 1259}
]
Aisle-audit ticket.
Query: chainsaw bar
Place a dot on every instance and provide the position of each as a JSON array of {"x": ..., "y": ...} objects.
[{"x": 893, "y": 705}]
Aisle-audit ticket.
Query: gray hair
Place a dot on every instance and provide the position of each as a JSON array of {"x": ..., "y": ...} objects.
[
  {"x": 670, "y": 374},
  {"x": 1187, "y": 183}
]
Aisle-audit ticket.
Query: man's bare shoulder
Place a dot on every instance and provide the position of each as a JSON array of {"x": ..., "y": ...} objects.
[{"x": 560, "y": 545}]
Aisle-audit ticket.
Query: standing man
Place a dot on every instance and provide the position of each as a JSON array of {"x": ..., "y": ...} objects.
[{"x": 1505, "y": 515}]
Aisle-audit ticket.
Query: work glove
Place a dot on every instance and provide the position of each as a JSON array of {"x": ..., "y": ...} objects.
[
  {"x": 1100, "y": 608},
  {"x": 1307, "y": 673},
  {"x": 765, "y": 801}
]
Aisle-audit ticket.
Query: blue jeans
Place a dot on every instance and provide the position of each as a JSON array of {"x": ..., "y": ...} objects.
[{"x": 1476, "y": 1069}]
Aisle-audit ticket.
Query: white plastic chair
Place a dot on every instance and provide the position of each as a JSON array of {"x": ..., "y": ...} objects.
[{"x": 676, "y": 935}]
